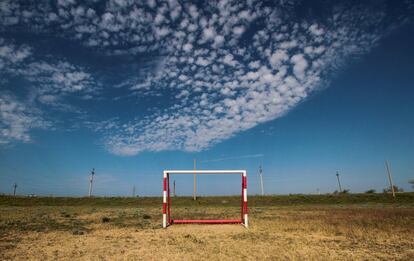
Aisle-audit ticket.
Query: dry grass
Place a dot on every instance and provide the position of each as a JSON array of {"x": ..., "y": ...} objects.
[{"x": 312, "y": 232}]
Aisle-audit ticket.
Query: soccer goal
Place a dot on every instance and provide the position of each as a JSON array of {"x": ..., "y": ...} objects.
[{"x": 166, "y": 217}]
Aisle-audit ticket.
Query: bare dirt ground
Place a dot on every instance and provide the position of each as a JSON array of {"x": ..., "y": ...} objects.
[{"x": 297, "y": 232}]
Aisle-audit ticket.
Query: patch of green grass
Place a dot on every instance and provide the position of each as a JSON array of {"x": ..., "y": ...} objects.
[{"x": 257, "y": 201}]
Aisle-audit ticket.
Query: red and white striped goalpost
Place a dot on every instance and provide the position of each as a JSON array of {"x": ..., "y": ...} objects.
[{"x": 166, "y": 217}]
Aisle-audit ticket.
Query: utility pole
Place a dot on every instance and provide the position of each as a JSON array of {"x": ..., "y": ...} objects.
[
  {"x": 387, "y": 164},
  {"x": 133, "y": 191},
  {"x": 91, "y": 181},
  {"x": 195, "y": 181},
  {"x": 339, "y": 182},
  {"x": 318, "y": 191},
  {"x": 174, "y": 189},
  {"x": 14, "y": 188},
  {"x": 261, "y": 179}
]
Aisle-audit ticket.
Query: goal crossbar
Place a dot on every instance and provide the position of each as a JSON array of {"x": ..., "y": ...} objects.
[{"x": 166, "y": 216}]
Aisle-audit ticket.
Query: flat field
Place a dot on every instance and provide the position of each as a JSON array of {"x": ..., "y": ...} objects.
[{"x": 296, "y": 227}]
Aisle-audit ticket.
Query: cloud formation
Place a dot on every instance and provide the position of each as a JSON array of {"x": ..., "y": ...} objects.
[
  {"x": 222, "y": 66},
  {"x": 16, "y": 120}
]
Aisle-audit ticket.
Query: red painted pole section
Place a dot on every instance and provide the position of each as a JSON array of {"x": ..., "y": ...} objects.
[
  {"x": 206, "y": 221},
  {"x": 242, "y": 200},
  {"x": 164, "y": 209},
  {"x": 169, "y": 199}
]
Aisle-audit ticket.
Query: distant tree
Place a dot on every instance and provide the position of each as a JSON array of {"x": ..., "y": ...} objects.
[
  {"x": 411, "y": 182},
  {"x": 344, "y": 191},
  {"x": 370, "y": 191},
  {"x": 396, "y": 189}
]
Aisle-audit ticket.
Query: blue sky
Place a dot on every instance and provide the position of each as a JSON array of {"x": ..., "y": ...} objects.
[{"x": 303, "y": 89}]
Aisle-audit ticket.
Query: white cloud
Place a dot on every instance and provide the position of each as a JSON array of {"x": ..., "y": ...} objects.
[
  {"x": 316, "y": 30},
  {"x": 12, "y": 55},
  {"x": 187, "y": 47},
  {"x": 234, "y": 83},
  {"x": 229, "y": 60},
  {"x": 202, "y": 62},
  {"x": 159, "y": 18},
  {"x": 238, "y": 30},
  {"x": 218, "y": 40},
  {"x": 300, "y": 65},
  {"x": 278, "y": 58},
  {"x": 16, "y": 120},
  {"x": 209, "y": 33}
]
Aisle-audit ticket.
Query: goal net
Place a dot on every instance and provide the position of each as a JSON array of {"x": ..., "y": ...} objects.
[{"x": 166, "y": 215}]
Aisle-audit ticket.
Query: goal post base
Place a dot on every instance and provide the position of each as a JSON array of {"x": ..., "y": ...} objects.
[
  {"x": 166, "y": 213},
  {"x": 206, "y": 221}
]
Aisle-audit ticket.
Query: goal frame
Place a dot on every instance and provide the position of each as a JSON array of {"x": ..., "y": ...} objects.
[{"x": 166, "y": 217}]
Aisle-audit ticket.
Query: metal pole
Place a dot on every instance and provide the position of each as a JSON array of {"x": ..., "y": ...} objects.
[
  {"x": 195, "y": 181},
  {"x": 261, "y": 179},
  {"x": 339, "y": 182},
  {"x": 174, "y": 188},
  {"x": 91, "y": 181},
  {"x": 14, "y": 189},
  {"x": 164, "y": 202},
  {"x": 387, "y": 164},
  {"x": 245, "y": 218},
  {"x": 133, "y": 191}
]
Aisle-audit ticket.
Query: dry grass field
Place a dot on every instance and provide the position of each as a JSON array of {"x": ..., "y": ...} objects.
[{"x": 348, "y": 227}]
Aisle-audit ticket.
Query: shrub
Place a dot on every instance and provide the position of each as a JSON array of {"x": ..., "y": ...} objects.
[
  {"x": 105, "y": 219},
  {"x": 396, "y": 189}
]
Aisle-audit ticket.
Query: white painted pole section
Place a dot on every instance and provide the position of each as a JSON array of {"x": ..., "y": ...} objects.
[
  {"x": 164, "y": 220},
  {"x": 165, "y": 197}
]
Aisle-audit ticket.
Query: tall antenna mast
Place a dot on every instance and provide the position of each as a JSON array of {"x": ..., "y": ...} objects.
[
  {"x": 261, "y": 179},
  {"x": 387, "y": 164},
  {"x": 14, "y": 188},
  {"x": 133, "y": 191},
  {"x": 195, "y": 181},
  {"x": 91, "y": 181},
  {"x": 339, "y": 182}
]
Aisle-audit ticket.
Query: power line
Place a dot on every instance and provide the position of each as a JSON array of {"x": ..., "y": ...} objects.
[
  {"x": 91, "y": 181},
  {"x": 387, "y": 164},
  {"x": 339, "y": 182},
  {"x": 261, "y": 179}
]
